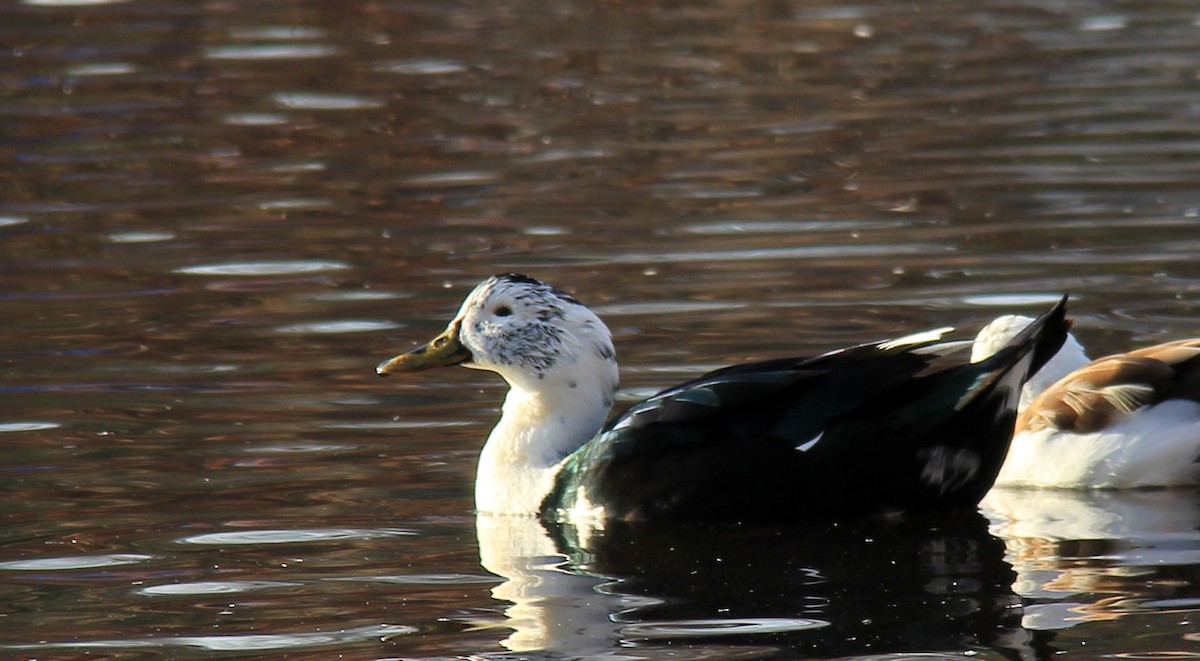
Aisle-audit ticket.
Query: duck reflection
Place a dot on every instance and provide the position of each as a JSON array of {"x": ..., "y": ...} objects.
[
  {"x": 911, "y": 584},
  {"x": 553, "y": 608},
  {"x": 1084, "y": 556}
]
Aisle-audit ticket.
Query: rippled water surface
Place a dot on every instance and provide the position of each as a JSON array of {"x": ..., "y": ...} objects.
[{"x": 217, "y": 217}]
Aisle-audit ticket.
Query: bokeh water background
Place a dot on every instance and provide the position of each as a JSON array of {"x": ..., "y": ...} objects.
[{"x": 216, "y": 217}]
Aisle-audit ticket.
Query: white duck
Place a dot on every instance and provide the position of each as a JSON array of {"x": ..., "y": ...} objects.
[
  {"x": 1123, "y": 421},
  {"x": 901, "y": 425}
]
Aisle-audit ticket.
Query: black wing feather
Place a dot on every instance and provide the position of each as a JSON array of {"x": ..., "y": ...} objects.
[{"x": 871, "y": 427}]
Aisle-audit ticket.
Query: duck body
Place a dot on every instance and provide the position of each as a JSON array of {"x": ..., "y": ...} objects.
[
  {"x": 908, "y": 424},
  {"x": 1129, "y": 420},
  {"x": 1158, "y": 447},
  {"x": 869, "y": 429}
]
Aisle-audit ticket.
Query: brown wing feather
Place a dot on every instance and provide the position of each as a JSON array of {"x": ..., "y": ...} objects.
[
  {"x": 1091, "y": 397},
  {"x": 1184, "y": 357}
]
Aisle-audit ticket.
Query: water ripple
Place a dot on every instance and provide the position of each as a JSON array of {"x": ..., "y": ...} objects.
[
  {"x": 240, "y": 643},
  {"x": 270, "y": 52},
  {"x": 294, "y": 204},
  {"x": 720, "y": 627},
  {"x": 255, "y": 119},
  {"x": 421, "y": 67},
  {"x": 360, "y": 295},
  {"x": 215, "y": 587},
  {"x": 297, "y": 448},
  {"x": 283, "y": 267},
  {"x": 789, "y": 226},
  {"x": 665, "y": 307},
  {"x": 31, "y": 425},
  {"x": 301, "y": 535},
  {"x": 71, "y": 3},
  {"x": 400, "y": 424},
  {"x": 277, "y": 33},
  {"x": 1012, "y": 300},
  {"x": 75, "y": 562},
  {"x": 451, "y": 179},
  {"x": 335, "y": 327},
  {"x": 100, "y": 69},
  {"x": 765, "y": 254},
  {"x": 911, "y": 656},
  {"x": 324, "y": 101},
  {"x": 1104, "y": 23},
  {"x": 421, "y": 579},
  {"x": 140, "y": 237}
]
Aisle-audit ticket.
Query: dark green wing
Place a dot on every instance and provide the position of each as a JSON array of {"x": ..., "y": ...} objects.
[{"x": 880, "y": 426}]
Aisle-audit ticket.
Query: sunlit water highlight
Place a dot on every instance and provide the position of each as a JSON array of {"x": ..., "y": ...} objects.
[{"x": 218, "y": 217}]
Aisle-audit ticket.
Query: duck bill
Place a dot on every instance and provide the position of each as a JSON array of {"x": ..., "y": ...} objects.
[{"x": 443, "y": 351}]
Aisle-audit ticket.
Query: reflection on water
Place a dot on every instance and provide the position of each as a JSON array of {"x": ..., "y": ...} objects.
[
  {"x": 1096, "y": 557},
  {"x": 216, "y": 218},
  {"x": 309, "y": 640},
  {"x": 74, "y": 562},
  {"x": 828, "y": 590}
]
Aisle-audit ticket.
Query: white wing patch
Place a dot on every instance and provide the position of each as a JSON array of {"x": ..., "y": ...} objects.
[
  {"x": 997, "y": 334},
  {"x": 807, "y": 445},
  {"x": 948, "y": 469},
  {"x": 931, "y": 335},
  {"x": 943, "y": 348}
]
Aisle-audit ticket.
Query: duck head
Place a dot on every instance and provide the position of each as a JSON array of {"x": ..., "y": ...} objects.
[{"x": 529, "y": 332}]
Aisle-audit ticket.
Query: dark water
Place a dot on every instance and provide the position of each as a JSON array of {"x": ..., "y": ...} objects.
[{"x": 215, "y": 218}]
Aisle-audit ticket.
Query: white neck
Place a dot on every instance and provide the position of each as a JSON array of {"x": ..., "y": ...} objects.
[
  {"x": 1068, "y": 359},
  {"x": 1003, "y": 329},
  {"x": 537, "y": 430}
]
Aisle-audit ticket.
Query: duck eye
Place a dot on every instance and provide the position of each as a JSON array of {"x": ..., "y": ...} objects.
[{"x": 503, "y": 311}]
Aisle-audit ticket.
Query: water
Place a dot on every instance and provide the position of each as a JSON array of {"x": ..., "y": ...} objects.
[{"x": 216, "y": 218}]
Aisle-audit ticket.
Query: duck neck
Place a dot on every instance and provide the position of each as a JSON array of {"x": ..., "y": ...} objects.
[
  {"x": 1068, "y": 359},
  {"x": 538, "y": 428}
]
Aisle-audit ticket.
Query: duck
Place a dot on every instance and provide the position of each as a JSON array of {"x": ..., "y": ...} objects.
[
  {"x": 909, "y": 424},
  {"x": 1124, "y": 421}
]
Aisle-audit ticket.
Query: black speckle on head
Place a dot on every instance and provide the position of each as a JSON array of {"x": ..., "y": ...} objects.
[
  {"x": 542, "y": 287},
  {"x": 519, "y": 279},
  {"x": 605, "y": 351},
  {"x": 534, "y": 346},
  {"x": 549, "y": 312}
]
